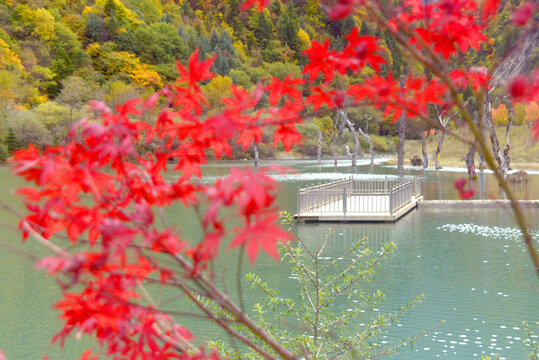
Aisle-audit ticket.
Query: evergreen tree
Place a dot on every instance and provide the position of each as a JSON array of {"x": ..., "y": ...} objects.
[
  {"x": 205, "y": 46},
  {"x": 94, "y": 28},
  {"x": 227, "y": 44},
  {"x": 127, "y": 41},
  {"x": 166, "y": 18},
  {"x": 110, "y": 8},
  {"x": 62, "y": 67},
  {"x": 287, "y": 29},
  {"x": 12, "y": 142},
  {"x": 264, "y": 29},
  {"x": 4, "y": 153},
  {"x": 221, "y": 66},
  {"x": 364, "y": 31},
  {"x": 214, "y": 39}
]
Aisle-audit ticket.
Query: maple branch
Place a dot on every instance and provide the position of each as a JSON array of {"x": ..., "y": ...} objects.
[
  {"x": 480, "y": 145},
  {"x": 166, "y": 322},
  {"x": 224, "y": 325},
  {"x": 521, "y": 221},
  {"x": 40, "y": 239},
  {"x": 222, "y": 299}
]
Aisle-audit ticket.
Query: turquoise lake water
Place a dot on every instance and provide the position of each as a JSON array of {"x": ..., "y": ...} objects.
[{"x": 471, "y": 266}]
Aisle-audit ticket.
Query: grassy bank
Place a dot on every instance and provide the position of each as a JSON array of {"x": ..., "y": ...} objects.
[{"x": 524, "y": 154}]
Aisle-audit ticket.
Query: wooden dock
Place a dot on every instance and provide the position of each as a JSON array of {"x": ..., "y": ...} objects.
[{"x": 350, "y": 200}]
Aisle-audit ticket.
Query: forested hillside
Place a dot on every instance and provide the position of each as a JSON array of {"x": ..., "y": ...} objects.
[{"x": 57, "y": 55}]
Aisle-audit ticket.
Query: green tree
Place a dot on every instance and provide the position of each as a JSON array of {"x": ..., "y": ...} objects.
[
  {"x": 62, "y": 67},
  {"x": 95, "y": 28},
  {"x": 4, "y": 153},
  {"x": 287, "y": 28},
  {"x": 264, "y": 29},
  {"x": 159, "y": 43},
  {"x": 275, "y": 51},
  {"x": 10, "y": 81},
  {"x": 119, "y": 92},
  {"x": 54, "y": 116},
  {"x": 69, "y": 41},
  {"x": 151, "y": 10},
  {"x": 12, "y": 142},
  {"x": 75, "y": 92},
  {"x": 27, "y": 129}
]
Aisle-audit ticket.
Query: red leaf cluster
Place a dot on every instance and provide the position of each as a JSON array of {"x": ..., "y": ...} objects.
[
  {"x": 106, "y": 189},
  {"x": 446, "y": 26},
  {"x": 464, "y": 193}
]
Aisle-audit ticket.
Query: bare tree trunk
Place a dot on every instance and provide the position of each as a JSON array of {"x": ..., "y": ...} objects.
[
  {"x": 400, "y": 145},
  {"x": 470, "y": 163},
  {"x": 335, "y": 144},
  {"x": 424, "y": 150},
  {"x": 371, "y": 145},
  {"x": 402, "y": 131},
  {"x": 507, "y": 129},
  {"x": 486, "y": 117},
  {"x": 356, "y": 139},
  {"x": 256, "y": 155},
  {"x": 367, "y": 125},
  {"x": 319, "y": 147},
  {"x": 439, "y": 150}
]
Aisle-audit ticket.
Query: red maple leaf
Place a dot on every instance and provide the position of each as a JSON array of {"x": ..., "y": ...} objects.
[
  {"x": 280, "y": 88},
  {"x": 197, "y": 71},
  {"x": 341, "y": 9},
  {"x": 318, "y": 55},
  {"x": 320, "y": 98},
  {"x": 523, "y": 14},
  {"x": 490, "y": 8},
  {"x": 246, "y": 137},
  {"x": 288, "y": 134},
  {"x": 262, "y": 4},
  {"x": 261, "y": 233}
]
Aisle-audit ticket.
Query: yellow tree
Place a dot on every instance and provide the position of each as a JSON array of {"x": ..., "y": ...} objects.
[
  {"x": 500, "y": 115},
  {"x": 531, "y": 113},
  {"x": 44, "y": 25}
]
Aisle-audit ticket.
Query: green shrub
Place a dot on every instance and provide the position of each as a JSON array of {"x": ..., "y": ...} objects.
[
  {"x": 4, "y": 154},
  {"x": 323, "y": 331},
  {"x": 383, "y": 144}
]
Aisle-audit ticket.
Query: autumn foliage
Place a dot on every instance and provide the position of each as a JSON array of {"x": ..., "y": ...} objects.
[{"x": 106, "y": 189}]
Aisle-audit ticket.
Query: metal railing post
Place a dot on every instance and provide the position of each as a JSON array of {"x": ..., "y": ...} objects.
[
  {"x": 344, "y": 200},
  {"x": 390, "y": 201},
  {"x": 299, "y": 202}
]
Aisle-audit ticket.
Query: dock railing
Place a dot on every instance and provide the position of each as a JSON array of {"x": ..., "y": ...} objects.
[{"x": 358, "y": 196}]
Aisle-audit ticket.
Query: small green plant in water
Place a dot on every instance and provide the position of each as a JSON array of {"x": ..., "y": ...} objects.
[
  {"x": 313, "y": 324},
  {"x": 529, "y": 341}
]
